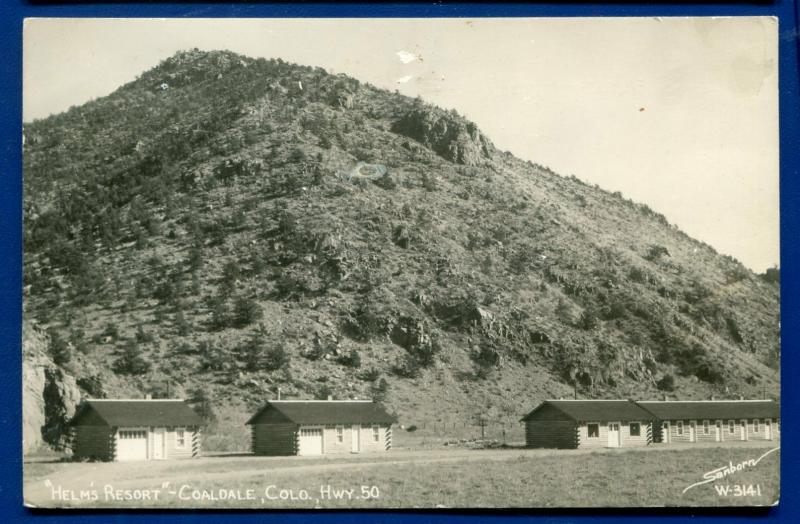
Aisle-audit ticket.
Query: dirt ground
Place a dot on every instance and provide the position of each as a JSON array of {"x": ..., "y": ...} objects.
[{"x": 223, "y": 480}]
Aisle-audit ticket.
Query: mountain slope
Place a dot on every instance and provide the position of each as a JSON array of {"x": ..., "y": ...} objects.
[{"x": 225, "y": 226}]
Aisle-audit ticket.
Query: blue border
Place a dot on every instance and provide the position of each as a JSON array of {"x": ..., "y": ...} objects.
[{"x": 13, "y": 11}]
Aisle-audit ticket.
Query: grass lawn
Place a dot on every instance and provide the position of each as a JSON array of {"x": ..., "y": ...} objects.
[{"x": 426, "y": 479}]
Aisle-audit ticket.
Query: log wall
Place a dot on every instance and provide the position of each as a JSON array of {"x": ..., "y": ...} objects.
[
  {"x": 551, "y": 434},
  {"x": 274, "y": 439}
]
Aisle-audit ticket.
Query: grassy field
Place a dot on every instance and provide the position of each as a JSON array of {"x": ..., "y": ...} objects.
[{"x": 451, "y": 478}]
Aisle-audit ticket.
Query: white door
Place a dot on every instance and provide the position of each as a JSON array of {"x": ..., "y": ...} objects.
[
  {"x": 131, "y": 444},
  {"x": 768, "y": 429},
  {"x": 718, "y": 429},
  {"x": 692, "y": 431},
  {"x": 158, "y": 443},
  {"x": 613, "y": 434},
  {"x": 744, "y": 429},
  {"x": 310, "y": 441},
  {"x": 355, "y": 433}
]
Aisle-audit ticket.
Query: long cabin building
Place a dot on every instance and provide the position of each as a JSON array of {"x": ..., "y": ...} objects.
[
  {"x": 320, "y": 427},
  {"x": 714, "y": 420},
  {"x": 576, "y": 424}
]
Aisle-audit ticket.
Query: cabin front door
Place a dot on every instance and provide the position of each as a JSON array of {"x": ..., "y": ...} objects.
[
  {"x": 768, "y": 429},
  {"x": 158, "y": 443},
  {"x": 355, "y": 440},
  {"x": 692, "y": 431},
  {"x": 613, "y": 434},
  {"x": 718, "y": 430}
]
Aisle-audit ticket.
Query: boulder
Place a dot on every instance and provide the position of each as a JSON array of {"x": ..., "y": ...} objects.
[
  {"x": 447, "y": 134},
  {"x": 50, "y": 395}
]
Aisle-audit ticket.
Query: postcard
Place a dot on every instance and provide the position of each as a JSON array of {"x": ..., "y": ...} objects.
[{"x": 401, "y": 263}]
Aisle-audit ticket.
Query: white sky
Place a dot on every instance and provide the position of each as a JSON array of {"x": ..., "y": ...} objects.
[{"x": 679, "y": 113}]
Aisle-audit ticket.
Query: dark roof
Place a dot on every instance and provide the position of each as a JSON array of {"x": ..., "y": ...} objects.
[
  {"x": 589, "y": 410},
  {"x": 712, "y": 409},
  {"x": 136, "y": 413},
  {"x": 322, "y": 412}
]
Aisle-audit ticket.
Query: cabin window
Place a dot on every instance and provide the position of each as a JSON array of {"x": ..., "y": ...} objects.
[
  {"x": 180, "y": 438},
  {"x": 339, "y": 434},
  {"x": 635, "y": 429},
  {"x": 679, "y": 427},
  {"x": 593, "y": 430},
  {"x": 731, "y": 426},
  {"x": 376, "y": 434},
  {"x": 755, "y": 425},
  {"x": 706, "y": 428}
]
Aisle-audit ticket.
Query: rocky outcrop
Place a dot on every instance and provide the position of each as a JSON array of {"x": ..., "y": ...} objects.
[
  {"x": 49, "y": 396},
  {"x": 450, "y": 136},
  {"x": 33, "y": 381}
]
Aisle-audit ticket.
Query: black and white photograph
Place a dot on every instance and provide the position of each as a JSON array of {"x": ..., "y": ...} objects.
[{"x": 417, "y": 263}]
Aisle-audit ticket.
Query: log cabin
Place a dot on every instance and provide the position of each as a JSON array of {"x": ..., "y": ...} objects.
[
  {"x": 127, "y": 430},
  {"x": 320, "y": 427},
  {"x": 713, "y": 420},
  {"x": 579, "y": 424}
]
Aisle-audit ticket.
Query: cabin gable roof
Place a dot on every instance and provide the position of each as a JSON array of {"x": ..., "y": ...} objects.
[
  {"x": 122, "y": 413},
  {"x": 588, "y": 410},
  {"x": 322, "y": 412},
  {"x": 711, "y": 409}
]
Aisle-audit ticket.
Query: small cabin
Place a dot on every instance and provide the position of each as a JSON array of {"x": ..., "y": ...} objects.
[
  {"x": 579, "y": 424},
  {"x": 127, "y": 430},
  {"x": 714, "y": 420},
  {"x": 320, "y": 427}
]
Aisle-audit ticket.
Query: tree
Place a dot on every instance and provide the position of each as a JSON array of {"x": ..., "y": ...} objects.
[
  {"x": 370, "y": 375},
  {"x": 230, "y": 275},
  {"x": 323, "y": 392},
  {"x": 379, "y": 390},
  {"x": 143, "y": 336},
  {"x": 772, "y": 275},
  {"x": 276, "y": 357},
  {"x": 253, "y": 349},
  {"x": 78, "y": 340},
  {"x": 486, "y": 359},
  {"x": 666, "y": 383},
  {"x": 214, "y": 358},
  {"x": 59, "y": 349},
  {"x": 588, "y": 320},
  {"x": 181, "y": 324},
  {"x": 195, "y": 259},
  {"x": 246, "y": 311},
  {"x": 564, "y": 311},
  {"x": 219, "y": 315},
  {"x": 204, "y": 406},
  {"x": 111, "y": 330},
  {"x": 351, "y": 359},
  {"x": 132, "y": 361},
  {"x": 655, "y": 252},
  {"x": 429, "y": 182}
]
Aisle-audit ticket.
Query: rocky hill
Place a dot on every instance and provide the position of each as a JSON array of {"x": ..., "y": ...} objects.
[{"x": 225, "y": 226}]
